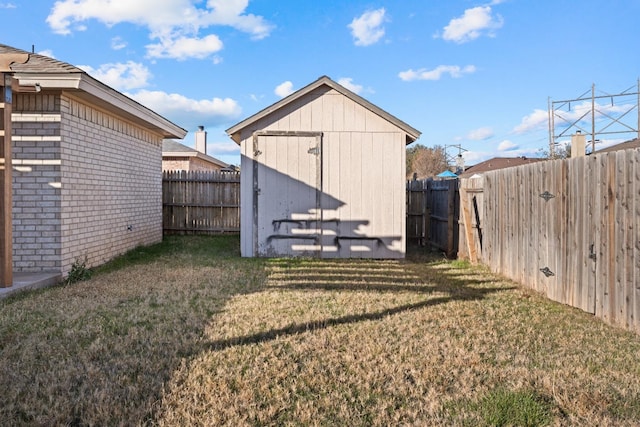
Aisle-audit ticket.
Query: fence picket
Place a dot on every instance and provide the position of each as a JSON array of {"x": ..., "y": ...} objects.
[{"x": 201, "y": 202}]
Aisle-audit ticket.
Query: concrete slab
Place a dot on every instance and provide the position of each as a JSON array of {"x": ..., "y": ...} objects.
[{"x": 28, "y": 281}]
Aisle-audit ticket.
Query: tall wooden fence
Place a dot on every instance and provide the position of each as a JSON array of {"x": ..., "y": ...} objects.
[
  {"x": 567, "y": 228},
  {"x": 200, "y": 202},
  {"x": 432, "y": 214}
]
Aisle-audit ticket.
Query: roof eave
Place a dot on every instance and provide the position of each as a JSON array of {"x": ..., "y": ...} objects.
[
  {"x": 114, "y": 99},
  {"x": 196, "y": 154}
]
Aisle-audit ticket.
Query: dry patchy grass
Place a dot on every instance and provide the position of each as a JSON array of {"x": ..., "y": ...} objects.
[{"x": 190, "y": 334}]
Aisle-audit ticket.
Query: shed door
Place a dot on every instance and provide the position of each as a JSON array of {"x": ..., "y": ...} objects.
[{"x": 287, "y": 190}]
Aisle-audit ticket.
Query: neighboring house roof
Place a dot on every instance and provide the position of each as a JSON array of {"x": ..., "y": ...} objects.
[
  {"x": 497, "y": 163},
  {"x": 48, "y": 73},
  {"x": 634, "y": 143},
  {"x": 412, "y": 133},
  {"x": 171, "y": 148}
]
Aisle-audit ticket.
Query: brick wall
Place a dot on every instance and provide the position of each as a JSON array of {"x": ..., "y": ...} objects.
[
  {"x": 188, "y": 164},
  {"x": 111, "y": 194},
  {"x": 175, "y": 164},
  {"x": 36, "y": 183},
  {"x": 86, "y": 184}
]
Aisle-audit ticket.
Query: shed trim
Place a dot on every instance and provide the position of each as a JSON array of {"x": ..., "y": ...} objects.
[
  {"x": 256, "y": 183},
  {"x": 411, "y": 133}
]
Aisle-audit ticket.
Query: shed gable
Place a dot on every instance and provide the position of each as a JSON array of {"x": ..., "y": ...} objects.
[
  {"x": 323, "y": 113},
  {"x": 323, "y": 110}
]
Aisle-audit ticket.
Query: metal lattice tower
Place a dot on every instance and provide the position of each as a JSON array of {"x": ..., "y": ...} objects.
[{"x": 603, "y": 120}]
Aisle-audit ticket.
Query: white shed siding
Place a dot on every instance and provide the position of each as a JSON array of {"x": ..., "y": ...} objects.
[{"x": 363, "y": 161}]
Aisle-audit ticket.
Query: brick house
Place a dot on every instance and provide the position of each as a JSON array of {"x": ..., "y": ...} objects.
[
  {"x": 179, "y": 157},
  {"x": 86, "y": 179}
]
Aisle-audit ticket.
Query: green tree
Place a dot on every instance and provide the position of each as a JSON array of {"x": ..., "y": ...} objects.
[{"x": 426, "y": 162}]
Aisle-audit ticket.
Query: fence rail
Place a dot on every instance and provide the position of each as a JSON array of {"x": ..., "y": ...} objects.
[{"x": 200, "y": 202}]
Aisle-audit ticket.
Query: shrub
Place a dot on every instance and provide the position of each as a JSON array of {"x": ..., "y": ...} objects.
[{"x": 78, "y": 272}]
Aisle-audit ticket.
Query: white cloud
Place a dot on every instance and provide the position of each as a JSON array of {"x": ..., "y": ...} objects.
[
  {"x": 368, "y": 29},
  {"x": 231, "y": 13},
  {"x": 117, "y": 43},
  {"x": 349, "y": 84},
  {"x": 176, "y": 24},
  {"x": 480, "y": 134},
  {"x": 534, "y": 121},
  {"x": 435, "y": 74},
  {"x": 507, "y": 145},
  {"x": 189, "y": 113},
  {"x": 182, "y": 48},
  {"x": 474, "y": 157},
  {"x": 121, "y": 76},
  {"x": 472, "y": 24},
  {"x": 7, "y": 6},
  {"x": 47, "y": 52},
  {"x": 284, "y": 89},
  {"x": 222, "y": 148}
]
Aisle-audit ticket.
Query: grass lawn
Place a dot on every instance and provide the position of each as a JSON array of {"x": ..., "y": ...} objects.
[{"x": 188, "y": 333}]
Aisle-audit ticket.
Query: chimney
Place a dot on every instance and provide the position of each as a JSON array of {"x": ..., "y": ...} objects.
[
  {"x": 201, "y": 140},
  {"x": 578, "y": 144}
]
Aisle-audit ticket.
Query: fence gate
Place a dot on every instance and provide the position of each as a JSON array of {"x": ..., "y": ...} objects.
[{"x": 287, "y": 189}]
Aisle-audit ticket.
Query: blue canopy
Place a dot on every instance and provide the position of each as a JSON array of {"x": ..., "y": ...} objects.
[{"x": 447, "y": 174}]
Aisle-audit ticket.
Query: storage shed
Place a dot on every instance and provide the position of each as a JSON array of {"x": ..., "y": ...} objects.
[
  {"x": 80, "y": 168},
  {"x": 323, "y": 175}
]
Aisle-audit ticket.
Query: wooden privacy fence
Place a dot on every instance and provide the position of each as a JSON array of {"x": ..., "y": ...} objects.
[
  {"x": 567, "y": 228},
  {"x": 200, "y": 202},
  {"x": 432, "y": 214}
]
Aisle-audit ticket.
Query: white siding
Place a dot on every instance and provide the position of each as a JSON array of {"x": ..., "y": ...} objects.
[{"x": 363, "y": 172}]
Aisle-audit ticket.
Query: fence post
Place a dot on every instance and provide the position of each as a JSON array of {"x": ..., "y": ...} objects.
[
  {"x": 451, "y": 216},
  {"x": 468, "y": 226}
]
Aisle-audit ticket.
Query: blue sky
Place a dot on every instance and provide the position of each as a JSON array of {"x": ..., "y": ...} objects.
[{"x": 469, "y": 73}]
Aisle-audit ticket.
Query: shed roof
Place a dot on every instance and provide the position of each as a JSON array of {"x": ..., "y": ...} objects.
[
  {"x": 50, "y": 73},
  {"x": 412, "y": 133},
  {"x": 171, "y": 148}
]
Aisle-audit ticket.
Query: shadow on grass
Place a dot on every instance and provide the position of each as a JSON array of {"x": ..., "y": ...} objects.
[
  {"x": 71, "y": 355},
  {"x": 326, "y": 323},
  {"x": 366, "y": 276}
]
